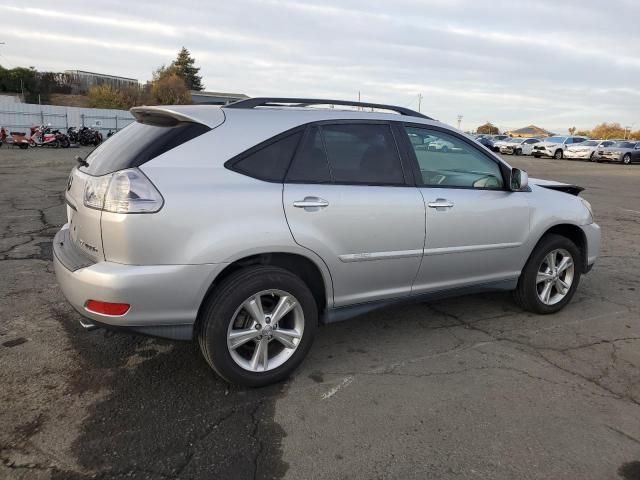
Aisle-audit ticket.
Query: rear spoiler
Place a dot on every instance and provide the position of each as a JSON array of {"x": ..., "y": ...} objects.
[{"x": 169, "y": 117}]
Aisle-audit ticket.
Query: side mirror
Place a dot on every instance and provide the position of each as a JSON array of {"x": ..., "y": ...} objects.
[{"x": 519, "y": 180}]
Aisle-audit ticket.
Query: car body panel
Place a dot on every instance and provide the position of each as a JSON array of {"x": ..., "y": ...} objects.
[
  {"x": 478, "y": 240},
  {"x": 371, "y": 237}
]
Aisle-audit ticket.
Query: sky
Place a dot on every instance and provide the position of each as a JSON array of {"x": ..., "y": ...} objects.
[{"x": 552, "y": 63}]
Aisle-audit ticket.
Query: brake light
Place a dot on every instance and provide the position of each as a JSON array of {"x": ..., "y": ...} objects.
[
  {"x": 125, "y": 191},
  {"x": 106, "y": 308}
]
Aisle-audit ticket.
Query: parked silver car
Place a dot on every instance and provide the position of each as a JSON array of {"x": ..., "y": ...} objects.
[
  {"x": 587, "y": 150},
  {"x": 247, "y": 226},
  {"x": 624, "y": 151}
]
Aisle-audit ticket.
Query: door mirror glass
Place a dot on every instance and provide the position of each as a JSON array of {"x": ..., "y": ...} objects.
[{"x": 519, "y": 180}]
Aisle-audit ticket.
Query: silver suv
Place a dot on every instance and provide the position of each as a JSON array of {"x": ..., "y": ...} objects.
[{"x": 247, "y": 226}]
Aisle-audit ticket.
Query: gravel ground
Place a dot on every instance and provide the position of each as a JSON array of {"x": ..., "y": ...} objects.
[{"x": 467, "y": 388}]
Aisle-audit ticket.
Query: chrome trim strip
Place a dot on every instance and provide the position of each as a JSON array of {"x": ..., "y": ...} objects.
[
  {"x": 470, "y": 248},
  {"x": 369, "y": 256}
]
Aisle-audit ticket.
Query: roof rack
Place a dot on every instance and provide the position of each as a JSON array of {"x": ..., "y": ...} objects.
[{"x": 305, "y": 102}]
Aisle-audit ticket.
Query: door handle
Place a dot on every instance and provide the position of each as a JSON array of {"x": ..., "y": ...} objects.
[
  {"x": 311, "y": 203},
  {"x": 440, "y": 203}
]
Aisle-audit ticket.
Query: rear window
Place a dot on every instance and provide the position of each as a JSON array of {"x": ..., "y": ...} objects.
[{"x": 138, "y": 143}]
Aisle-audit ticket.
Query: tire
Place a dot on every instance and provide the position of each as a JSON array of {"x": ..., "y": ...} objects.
[
  {"x": 536, "y": 156},
  {"x": 558, "y": 155},
  {"x": 225, "y": 305},
  {"x": 626, "y": 159},
  {"x": 529, "y": 290},
  {"x": 518, "y": 151}
]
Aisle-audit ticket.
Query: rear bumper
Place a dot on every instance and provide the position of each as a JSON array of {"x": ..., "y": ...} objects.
[
  {"x": 593, "y": 235},
  {"x": 164, "y": 299}
]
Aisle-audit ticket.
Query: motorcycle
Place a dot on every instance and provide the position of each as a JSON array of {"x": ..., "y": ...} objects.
[
  {"x": 62, "y": 138},
  {"x": 89, "y": 136},
  {"x": 42, "y": 136}
]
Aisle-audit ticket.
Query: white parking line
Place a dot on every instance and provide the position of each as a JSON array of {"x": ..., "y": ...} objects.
[{"x": 345, "y": 383}]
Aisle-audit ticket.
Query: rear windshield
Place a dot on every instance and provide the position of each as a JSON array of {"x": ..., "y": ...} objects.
[{"x": 138, "y": 143}]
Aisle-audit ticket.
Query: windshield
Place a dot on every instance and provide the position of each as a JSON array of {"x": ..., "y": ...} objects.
[
  {"x": 589, "y": 143},
  {"x": 516, "y": 140},
  {"x": 623, "y": 145},
  {"x": 555, "y": 139}
]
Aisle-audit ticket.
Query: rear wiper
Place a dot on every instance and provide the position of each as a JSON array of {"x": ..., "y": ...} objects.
[{"x": 81, "y": 161}]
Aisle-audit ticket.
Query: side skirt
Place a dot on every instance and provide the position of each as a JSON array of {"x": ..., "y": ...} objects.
[{"x": 340, "y": 314}]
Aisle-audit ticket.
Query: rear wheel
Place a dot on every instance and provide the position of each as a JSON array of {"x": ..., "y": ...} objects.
[
  {"x": 518, "y": 151},
  {"x": 258, "y": 326},
  {"x": 591, "y": 159},
  {"x": 550, "y": 277},
  {"x": 626, "y": 159},
  {"x": 558, "y": 155}
]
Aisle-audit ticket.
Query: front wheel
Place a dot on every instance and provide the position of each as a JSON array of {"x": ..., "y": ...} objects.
[
  {"x": 550, "y": 277},
  {"x": 558, "y": 155},
  {"x": 257, "y": 326},
  {"x": 518, "y": 151},
  {"x": 626, "y": 159}
]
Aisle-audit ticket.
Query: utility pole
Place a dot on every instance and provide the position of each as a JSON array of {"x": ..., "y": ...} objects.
[
  {"x": 459, "y": 121},
  {"x": 419, "y": 101}
]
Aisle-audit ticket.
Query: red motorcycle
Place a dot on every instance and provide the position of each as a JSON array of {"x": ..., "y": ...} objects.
[{"x": 43, "y": 136}]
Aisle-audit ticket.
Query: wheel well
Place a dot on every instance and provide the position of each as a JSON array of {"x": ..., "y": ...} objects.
[
  {"x": 296, "y": 264},
  {"x": 576, "y": 235}
]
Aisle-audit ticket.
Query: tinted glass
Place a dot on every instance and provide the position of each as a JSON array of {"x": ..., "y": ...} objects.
[
  {"x": 362, "y": 154},
  {"x": 449, "y": 161},
  {"x": 555, "y": 139},
  {"x": 590, "y": 143},
  {"x": 138, "y": 143},
  {"x": 310, "y": 164},
  {"x": 270, "y": 162},
  {"x": 578, "y": 139},
  {"x": 623, "y": 145},
  {"x": 607, "y": 143},
  {"x": 532, "y": 140}
]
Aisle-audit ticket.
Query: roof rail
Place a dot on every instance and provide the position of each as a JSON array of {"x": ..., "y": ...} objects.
[{"x": 305, "y": 102}]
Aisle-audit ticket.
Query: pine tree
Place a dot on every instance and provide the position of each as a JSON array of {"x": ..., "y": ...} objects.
[{"x": 185, "y": 67}]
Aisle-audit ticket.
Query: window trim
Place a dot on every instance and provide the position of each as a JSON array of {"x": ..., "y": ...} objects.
[{"x": 505, "y": 169}]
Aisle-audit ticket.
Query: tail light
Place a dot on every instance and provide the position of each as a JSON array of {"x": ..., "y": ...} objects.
[{"x": 125, "y": 191}]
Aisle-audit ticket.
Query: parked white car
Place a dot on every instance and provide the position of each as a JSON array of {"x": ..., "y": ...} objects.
[
  {"x": 586, "y": 150},
  {"x": 555, "y": 146},
  {"x": 441, "y": 145},
  {"x": 519, "y": 146}
]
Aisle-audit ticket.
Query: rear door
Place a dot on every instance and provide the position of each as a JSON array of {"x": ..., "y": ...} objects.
[
  {"x": 346, "y": 198},
  {"x": 475, "y": 227}
]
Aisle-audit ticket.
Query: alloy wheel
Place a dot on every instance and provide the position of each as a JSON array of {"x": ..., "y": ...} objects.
[
  {"x": 265, "y": 330},
  {"x": 555, "y": 276}
]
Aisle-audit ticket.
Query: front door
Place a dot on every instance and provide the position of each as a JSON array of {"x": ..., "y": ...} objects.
[
  {"x": 345, "y": 198},
  {"x": 476, "y": 227}
]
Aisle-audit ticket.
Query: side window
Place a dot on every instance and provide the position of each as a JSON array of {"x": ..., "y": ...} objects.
[
  {"x": 449, "y": 161},
  {"x": 531, "y": 141},
  {"x": 310, "y": 164},
  {"x": 270, "y": 162},
  {"x": 569, "y": 141},
  {"x": 362, "y": 153},
  {"x": 348, "y": 153}
]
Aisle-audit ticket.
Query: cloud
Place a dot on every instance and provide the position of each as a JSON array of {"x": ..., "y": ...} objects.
[{"x": 515, "y": 63}]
